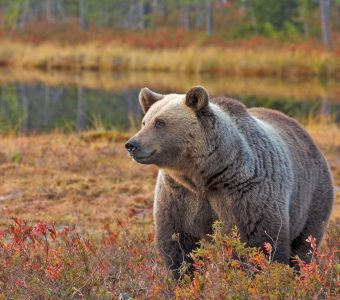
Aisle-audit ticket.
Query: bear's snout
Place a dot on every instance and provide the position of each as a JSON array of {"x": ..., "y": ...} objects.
[{"x": 131, "y": 145}]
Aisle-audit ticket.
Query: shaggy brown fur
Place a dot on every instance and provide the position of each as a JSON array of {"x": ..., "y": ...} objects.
[{"x": 254, "y": 168}]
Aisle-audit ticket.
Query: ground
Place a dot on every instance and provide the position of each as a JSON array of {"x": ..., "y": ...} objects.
[
  {"x": 87, "y": 179},
  {"x": 89, "y": 229}
]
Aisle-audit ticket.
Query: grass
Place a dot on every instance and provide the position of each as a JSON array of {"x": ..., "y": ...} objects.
[
  {"x": 92, "y": 207},
  {"x": 326, "y": 134},
  {"x": 88, "y": 179},
  {"x": 295, "y": 62}
]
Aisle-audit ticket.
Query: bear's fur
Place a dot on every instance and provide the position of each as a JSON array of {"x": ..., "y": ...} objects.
[{"x": 254, "y": 168}]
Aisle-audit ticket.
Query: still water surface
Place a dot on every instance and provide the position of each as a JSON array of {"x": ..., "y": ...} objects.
[{"x": 33, "y": 101}]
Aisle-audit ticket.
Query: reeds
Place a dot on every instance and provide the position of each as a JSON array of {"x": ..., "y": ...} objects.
[{"x": 267, "y": 61}]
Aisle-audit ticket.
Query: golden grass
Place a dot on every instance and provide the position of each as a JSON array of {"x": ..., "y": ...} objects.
[
  {"x": 279, "y": 62},
  {"x": 312, "y": 89},
  {"x": 88, "y": 180},
  {"x": 327, "y": 135}
]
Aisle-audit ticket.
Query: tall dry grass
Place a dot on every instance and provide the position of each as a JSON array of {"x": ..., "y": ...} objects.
[{"x": 194, "y": 59}]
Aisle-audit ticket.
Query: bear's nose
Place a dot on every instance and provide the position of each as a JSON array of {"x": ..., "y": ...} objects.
[{"x": 131, "y": 146}]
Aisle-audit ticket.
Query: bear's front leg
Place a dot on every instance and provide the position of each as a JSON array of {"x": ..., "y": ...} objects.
[
  {"x": 272, "y": 227},
  {"x": 171, "y": 213},
  {"x": 175, "y": 249}
]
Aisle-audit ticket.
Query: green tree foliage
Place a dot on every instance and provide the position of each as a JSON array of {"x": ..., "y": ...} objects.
[
  {"x": 272, "y": 16},
  {"x": 276, "y": 13},
  {"x": 283, "y": 18}
]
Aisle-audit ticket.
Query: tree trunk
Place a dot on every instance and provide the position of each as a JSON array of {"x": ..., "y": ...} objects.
[
  {"x": 209, "y": 20},
  {"x": 49, "y": 11},
  {"x": 253, "y": 20},
  {"x": 24, "y": 16},
  {"x": 325, "y": 14},
  {"x": 337, "y": 17},
  {"x": 140, "y": 14},
  {"x": 159, "y": 7},
  {"x": 60, "y": 9},
  {"x": 82, "y": 14},
  {"x": 3, "y": 13},
  {"x": 303, "y": 10},
  {"x": 198, "y": 17},
  {"x": 37, "y": 8},
  {"x": 185, "y": 17}
]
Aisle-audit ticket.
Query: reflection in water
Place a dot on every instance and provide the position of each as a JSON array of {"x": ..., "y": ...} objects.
[
  {"x": 217, "y": 84},
  {"x": 36, "y": 107}
]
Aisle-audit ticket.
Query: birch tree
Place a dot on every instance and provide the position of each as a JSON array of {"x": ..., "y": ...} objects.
[
  {"x": 209, "y": 17},
  {"x": 325, "y": 6},
  {"x": 82, "y": 14}
]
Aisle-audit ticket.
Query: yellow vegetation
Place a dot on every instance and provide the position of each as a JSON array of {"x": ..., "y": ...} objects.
[
  {"x": 327, "y": 135},
  {"x": 234, "y": 61}
]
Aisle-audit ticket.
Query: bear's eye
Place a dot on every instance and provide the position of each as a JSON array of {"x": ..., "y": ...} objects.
[
  {"x": 159, "y": 124},
  {"x": 143, "y": 123}
]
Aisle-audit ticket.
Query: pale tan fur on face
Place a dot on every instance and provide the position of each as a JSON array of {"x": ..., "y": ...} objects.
[
  {"x": 182, "y": 129},
  {"x": 170, "y": 107},
  {"x": 176, "y": 115}
]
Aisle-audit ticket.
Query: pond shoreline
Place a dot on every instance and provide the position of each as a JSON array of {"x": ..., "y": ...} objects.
[
  {"x": 217, "y": 84},
  {"x": 241, "y": 62},
  {"x": 34, "y": 101}
]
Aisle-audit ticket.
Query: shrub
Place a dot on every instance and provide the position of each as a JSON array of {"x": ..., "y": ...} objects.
[
  {"x": 227, "y": 267},
  {"x": 41, "y": 261}
]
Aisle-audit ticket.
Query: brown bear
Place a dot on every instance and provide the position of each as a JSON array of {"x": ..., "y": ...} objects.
[{"x": 254, "y": 168}]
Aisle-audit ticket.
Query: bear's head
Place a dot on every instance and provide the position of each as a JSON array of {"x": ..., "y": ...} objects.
[{"x": 172, "y": 128}]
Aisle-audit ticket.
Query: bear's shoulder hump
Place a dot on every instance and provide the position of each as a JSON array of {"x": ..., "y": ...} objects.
[{"x": 231, "y": 106}]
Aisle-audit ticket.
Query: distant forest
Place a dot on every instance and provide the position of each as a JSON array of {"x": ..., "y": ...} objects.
[{"x": 226, "y": 18}]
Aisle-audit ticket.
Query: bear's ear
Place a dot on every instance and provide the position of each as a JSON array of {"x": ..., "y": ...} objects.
[
  {"x": 147, "y": 98},
  {"x": 197, "y": 98}
]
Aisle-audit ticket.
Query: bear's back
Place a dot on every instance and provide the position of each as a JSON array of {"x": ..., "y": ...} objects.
[
  {"x": 232, "y": 107},
  {"x": 311, "y": 171},
  {"x": 296, "y": 138},
  {"x": 309, "y": 167}
]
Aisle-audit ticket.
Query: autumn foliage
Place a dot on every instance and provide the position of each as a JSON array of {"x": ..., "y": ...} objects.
[
  {"x": 42, "y": 261},
  {"x": 166, "y": 50}
]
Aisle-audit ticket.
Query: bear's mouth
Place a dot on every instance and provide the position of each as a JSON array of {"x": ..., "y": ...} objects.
[{"x": 143, "y": 159}]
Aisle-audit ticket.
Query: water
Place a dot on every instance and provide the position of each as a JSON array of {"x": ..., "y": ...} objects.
[
  {"x": 42, "y": 108},
  {"x": 34, "y": 101}
]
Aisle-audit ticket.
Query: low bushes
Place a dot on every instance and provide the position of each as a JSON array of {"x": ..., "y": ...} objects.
[{"x": 42, "y": 261}]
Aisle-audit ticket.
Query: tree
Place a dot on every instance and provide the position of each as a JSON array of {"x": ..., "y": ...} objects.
[
  {"x": 24, "y": 15},
  {"x": 303, "y": 10},
  {"x": 4, "y": 11},
  {"x": 49, "y": 10},
  {"x": 337, "y": 4},
  {"x": 82, "y": 14},
  {"x": 185, "y": 15},
  {"x": 274, "y": 13},
  {"x": 140, "y": 14},
  {"x": 209, "y": 14},
  {"x": 325, "y": 6}
]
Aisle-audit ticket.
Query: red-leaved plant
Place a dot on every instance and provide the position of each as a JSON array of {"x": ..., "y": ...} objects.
[{"x": 41, "y": 261}]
